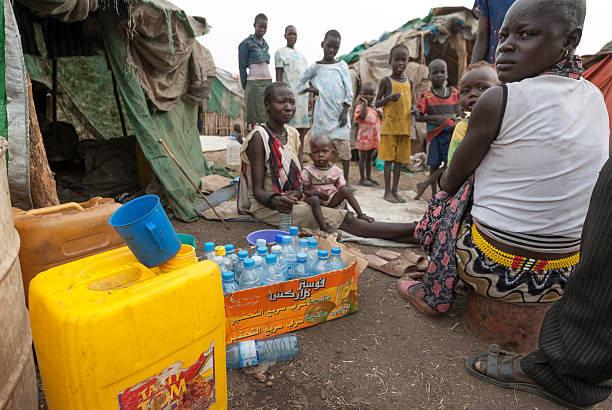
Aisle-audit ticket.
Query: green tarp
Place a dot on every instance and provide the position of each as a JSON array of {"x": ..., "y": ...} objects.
[
  {"x": 178, "y": 127},
  {"x": 223, "y": 101}
]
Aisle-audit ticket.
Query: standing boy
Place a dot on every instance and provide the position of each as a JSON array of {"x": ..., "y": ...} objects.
[
  {"x": 439, "y": 108},
  {"x": 395, "y": 96},
  {"x": 331, "y": 81}
]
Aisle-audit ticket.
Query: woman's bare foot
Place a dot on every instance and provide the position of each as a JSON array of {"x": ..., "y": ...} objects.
[
  {"x": 390, "y": 198},
  {"x": 365, "y": 217},
  {"x": 398, "y": 197},
  {"x": 328, "y": 229}
]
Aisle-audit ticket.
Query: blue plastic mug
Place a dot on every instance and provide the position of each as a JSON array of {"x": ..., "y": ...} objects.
[{"x": 145, "y": 228}]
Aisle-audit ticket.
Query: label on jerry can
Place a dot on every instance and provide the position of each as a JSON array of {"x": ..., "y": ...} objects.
[{"x": 177, "y": 387}]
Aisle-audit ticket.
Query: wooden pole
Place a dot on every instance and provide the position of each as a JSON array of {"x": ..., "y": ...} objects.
[
  {"x": 461, "y": 55},
  {"x": 42, "y": 183},
  {"x": 178, "y": 164},
  {"x": 116, "y": 91}
]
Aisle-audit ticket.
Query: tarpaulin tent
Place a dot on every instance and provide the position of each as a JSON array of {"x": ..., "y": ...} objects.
[
  {"x": 599, "y": 72},
  {"x": 153, "y": 54},
  {"x": 447, "y": 32},
  {"x": 226, "y": 96}
]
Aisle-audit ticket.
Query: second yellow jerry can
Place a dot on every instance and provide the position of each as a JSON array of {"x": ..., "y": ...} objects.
[{"x": 110, "y": 333}]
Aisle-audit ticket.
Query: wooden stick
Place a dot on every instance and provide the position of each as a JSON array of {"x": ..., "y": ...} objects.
[{"x": 163, "y": 143}]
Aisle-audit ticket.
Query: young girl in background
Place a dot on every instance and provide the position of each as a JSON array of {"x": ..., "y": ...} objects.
[{"x": 369, "y": 118}]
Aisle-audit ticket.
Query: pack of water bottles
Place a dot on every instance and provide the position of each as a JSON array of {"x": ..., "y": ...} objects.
[{"x": 290, "y": 257}]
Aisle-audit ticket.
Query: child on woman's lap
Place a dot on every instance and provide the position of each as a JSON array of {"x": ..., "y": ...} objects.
[{"x": 324, "y": 184}]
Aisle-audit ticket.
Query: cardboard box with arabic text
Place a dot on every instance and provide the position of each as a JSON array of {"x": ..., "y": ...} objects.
[{"x": 272, "y": 310}]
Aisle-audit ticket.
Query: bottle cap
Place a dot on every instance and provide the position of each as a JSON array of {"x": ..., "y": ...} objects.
[
  {"x": 227, "y": 275},
  {"x": 303, "y": 243},
  {"x": 219, "y": 250},
  {"x": 336, "y": 251},
  {"x": 243, "y": 254},
  {"x": 286, "y": 239},
  {"x": 248, "y": 263},
  {"x": 301, "y": 257},
  {"x": 209, "y": 246},
  {"x": 277, "y": 249},
  {"x": 293, "y": 230},
  {"x": 262, "y": 250},
  {"x": 260, "y": 242},
  {"x": 229, "y": 248},
  {"x": 270, "y": 259},
  {"x": 312, "y": 243},
  {"x": 322, "y": 253},
  {"x": 278, "y": 238}
]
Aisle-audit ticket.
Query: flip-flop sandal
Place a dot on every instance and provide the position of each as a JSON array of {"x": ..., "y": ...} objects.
[
  {"x": 403, "y": 288},
  {"x": 500, "y": 373},
  {"x": 397, "y": 267},
  {"x": 374, "y": 182},
  {"x": 366, "y": 183}
]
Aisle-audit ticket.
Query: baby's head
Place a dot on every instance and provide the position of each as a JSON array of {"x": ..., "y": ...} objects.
[
  {"x": 321, "y": 151},
  {"x": 368, "y": 92},
  {"x": 261, "y": 25},
  {"x": 478, "y": 78},
  {"x": 237, "y": 129},
  {"x": 537, "y": 34},
  {"x": 438, "y": 73},
  {"x": 398, "y": 58},
  {"x": 331, "y": 44}
]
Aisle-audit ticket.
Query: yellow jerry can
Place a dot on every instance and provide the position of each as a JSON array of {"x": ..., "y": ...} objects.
[{"x": 110, "y": 333}]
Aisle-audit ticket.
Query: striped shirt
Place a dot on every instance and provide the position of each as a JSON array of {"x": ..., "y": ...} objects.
[{"x": 431, "y": 104}]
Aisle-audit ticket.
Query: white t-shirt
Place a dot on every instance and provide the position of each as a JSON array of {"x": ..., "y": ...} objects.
[{"x": 538, "y": 174}]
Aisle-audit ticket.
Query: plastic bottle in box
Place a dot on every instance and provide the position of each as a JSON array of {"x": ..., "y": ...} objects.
[
  {"x": 322, "y": 264},
  {"x": 250, "y": 277},
  {"x": 335, "y": 260}
]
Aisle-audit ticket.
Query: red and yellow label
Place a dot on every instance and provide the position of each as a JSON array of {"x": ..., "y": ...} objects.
[
  {"x": 271, "y": 310},
  {"x": 176, "y": 387}
]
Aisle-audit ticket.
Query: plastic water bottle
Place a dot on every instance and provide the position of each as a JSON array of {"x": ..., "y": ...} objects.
[
  {"x": 260, "y": 242},
  {"x": 293, "y": 232},
  {"x": 253, "y": 352},
  {"x": 335, "y": 260},
  {"x": 242, "y": 255},
  {"x": 232, "y": 155},
  {"x": 322, "y": 264},
  {"x": 302, "y": 246},
  {"x": 271, "y": 272},
  {"x": 259, "y": 255},
  {"x": 250, "y": 277},
  {"x": 219, "y": 257},
  {"x": 312, "y": 253},
  {"x": 301, "y": 269},
  {"x": 288, "y": 258},
  {"x": 230, "y": 257},
  {"x": 285, "y": 221},
  {"x": 228, "y": 282},
  {"x": 278, "y": 238},
  {"x": 209, "y": 250},
  {"x": 277, "y": 250}
]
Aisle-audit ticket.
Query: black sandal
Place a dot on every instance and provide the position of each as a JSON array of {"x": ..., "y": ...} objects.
[{"x": 500, "y": 372}]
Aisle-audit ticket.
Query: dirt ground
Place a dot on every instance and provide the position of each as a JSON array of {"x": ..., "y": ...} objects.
[{"x": 385, "y": 356}]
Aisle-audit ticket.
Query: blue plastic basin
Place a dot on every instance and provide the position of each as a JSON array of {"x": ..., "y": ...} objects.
[{"x": 268, "y": 234}]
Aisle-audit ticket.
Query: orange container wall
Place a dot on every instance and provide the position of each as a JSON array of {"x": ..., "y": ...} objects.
[
  {"x": 59, "y": 234},
  {"x": 111, "y": 333}
]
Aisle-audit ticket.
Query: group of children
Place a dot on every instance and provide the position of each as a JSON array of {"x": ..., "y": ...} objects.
[{"x": 384, "y": 119}]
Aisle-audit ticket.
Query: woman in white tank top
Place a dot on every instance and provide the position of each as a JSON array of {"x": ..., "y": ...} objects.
[{"x": 535, "y": 146}]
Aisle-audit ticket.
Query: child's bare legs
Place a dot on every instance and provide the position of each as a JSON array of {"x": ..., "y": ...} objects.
[
  {"x": 432, "y": 179},
  {"x": 346, "y": 166},
  {"x": 388, "y": 195},
  {"x": 397, "y": 171},
  {"x": 433, "y": 183},
  {"x": 343, "y": 194},
  {"x": 368, "y": 166},
  {"x": 315, "y": 206},
  {"x": 365, "y": 167}
]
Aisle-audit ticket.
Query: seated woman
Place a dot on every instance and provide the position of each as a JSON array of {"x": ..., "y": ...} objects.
[
  {"x": 270, "y": 176},
  {"x": 535, "y": 147}
]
